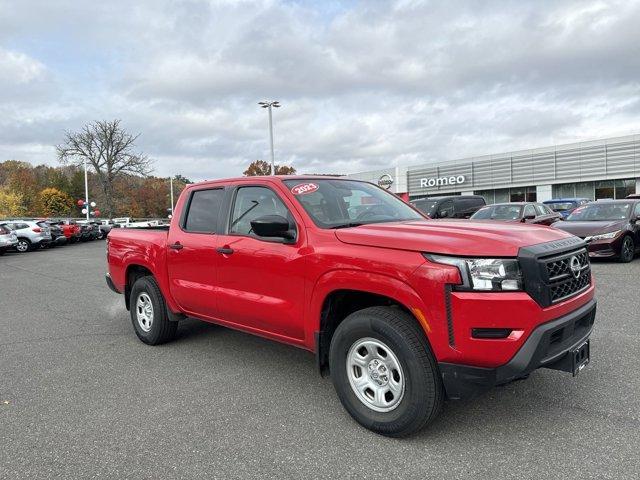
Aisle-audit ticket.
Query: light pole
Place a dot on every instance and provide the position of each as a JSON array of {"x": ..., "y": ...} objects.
[
  {"x": 268, "y": 105},
  {"x": 171, "y": 187},
  {"x": 86, "y": 188}
]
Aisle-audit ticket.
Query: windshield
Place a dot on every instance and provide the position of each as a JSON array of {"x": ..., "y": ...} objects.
[
  {"x": 560, "y": 206},
  {"x": 348, "y": 203},
  {"x": 498, "y": 212},
  {"x": 600, "y": 211},
  {"x": 427, "y": 207}
]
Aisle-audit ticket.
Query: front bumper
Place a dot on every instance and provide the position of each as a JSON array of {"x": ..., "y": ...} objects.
[
  {"x": 605, "y": 248},
  {"x": 548, "y": 346}
]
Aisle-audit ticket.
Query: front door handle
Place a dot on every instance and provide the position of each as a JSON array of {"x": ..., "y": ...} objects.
[
  {"x": 176, "y": 246},
  {"x": 225, "y": 250}
]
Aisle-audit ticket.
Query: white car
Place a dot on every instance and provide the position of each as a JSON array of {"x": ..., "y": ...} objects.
[
  {"x": 31, "y": 236},
  {"x": 8, "y": 239}
]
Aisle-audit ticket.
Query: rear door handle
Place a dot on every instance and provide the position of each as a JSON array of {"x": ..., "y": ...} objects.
[
  {"x": 225, "y": 250},
  {"x": 176, "y": 246}
]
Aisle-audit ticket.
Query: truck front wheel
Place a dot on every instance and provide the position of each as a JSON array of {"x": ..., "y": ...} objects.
[
  {"x": 384, "y": 372},
  {"x": 149, "y": 313}
]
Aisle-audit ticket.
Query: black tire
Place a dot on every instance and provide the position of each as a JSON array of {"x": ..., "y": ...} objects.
[
  {"x": 24, "y": 245},
  {"x": 3, "y": 251},
  {"x": 423, "y": 390},
  {"x": 627, "y": 249},
  {"x": 161, "y": 329}
]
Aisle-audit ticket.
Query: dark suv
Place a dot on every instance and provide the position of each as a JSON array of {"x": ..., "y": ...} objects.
[{"x": 454, "y": 206}]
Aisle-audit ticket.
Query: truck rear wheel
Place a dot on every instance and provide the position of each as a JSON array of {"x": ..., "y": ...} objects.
[
  {"x": 384, "y": 372},
  {"x": 149, "y": 313}
]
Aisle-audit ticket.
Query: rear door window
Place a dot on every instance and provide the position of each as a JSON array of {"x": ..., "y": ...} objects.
[
  {"x": 529, "y": 211},
  {"x": 446, "y": 210},
  {"x": 541, "y": 209},
  {"x": 203, "y": 211}
]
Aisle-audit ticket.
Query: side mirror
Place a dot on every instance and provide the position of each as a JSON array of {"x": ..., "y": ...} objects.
[
  {"x": 272, "y": 226},
  {"x": 528, "y": 217}
]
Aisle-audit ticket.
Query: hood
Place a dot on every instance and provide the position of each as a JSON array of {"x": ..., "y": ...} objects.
[
  {"x": 451, "y": 237},
  {"x": 588, "y": 229}
]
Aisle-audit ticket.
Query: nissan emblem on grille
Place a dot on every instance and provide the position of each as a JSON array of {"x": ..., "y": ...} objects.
[{"x": 574, "y": 265}]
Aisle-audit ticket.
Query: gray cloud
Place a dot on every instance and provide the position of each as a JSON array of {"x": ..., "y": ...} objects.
[{"x": 363, "y": 85}]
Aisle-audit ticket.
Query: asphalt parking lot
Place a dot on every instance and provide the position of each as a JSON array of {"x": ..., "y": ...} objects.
[{"x": 81, "y": 397}]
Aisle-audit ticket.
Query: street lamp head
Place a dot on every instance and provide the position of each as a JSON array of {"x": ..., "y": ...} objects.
[{"x": 275, "y": 104}]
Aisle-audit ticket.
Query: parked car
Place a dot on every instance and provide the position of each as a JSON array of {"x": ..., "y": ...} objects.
[
  {"x": 525, "y": 212},
  {"x": 89, "y": 230},
  {"x": 105, "y": 227},
  {"x": 564, "y": 206},
  {"x": 128, "y": 222},
  {"x": 610, "y": 227},
  {"x": 31, "y": 236},
  {"x": 8, "y": 238},
  {"x": 70, "y": 229},
  {"x": 454, "y": 206},
  {"x": 57, "y": 235},
  {"x": 401, "y": 311}
]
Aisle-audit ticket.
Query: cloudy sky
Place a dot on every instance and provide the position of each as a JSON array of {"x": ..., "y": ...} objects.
[{"x": 363, "y": 84}]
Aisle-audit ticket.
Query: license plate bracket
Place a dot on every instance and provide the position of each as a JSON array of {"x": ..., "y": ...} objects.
[{"x": 580, "y": 357}]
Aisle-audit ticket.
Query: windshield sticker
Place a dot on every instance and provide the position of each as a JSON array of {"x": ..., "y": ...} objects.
[{"x": 304, "y": 188}]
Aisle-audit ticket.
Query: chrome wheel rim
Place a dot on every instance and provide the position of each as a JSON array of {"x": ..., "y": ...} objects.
[
  {"x": 144, "y": 312},
  {"x": 22, "y": 246},
  {"x": 375, "y": 374}
]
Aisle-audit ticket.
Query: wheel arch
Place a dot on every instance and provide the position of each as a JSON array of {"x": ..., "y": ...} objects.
[
  {"x": 330, "y": 306},
  {"x": 133, "y": 272}
]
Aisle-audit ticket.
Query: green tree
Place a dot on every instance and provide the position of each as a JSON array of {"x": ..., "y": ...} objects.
[{"x": 53, "y": 202}]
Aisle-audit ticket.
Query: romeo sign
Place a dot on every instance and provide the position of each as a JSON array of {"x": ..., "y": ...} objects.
[{"x": 441, "y": 181}]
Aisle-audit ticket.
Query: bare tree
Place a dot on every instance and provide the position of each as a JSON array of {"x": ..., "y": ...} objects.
[{"x": 109, "y": 150}]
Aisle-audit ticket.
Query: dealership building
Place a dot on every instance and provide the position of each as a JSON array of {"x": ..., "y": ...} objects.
[{"x": 608, "y": 168}]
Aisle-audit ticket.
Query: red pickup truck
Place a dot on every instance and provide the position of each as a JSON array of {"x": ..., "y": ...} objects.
[{"x": 401, "y": 311}]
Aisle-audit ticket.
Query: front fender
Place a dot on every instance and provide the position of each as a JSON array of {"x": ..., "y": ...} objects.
[{"x": 353, "y": 279}]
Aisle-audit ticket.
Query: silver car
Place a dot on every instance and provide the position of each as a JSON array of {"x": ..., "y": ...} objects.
[
  {"x": 31, "y": 236},
  {"x": 8, "y": 238}
]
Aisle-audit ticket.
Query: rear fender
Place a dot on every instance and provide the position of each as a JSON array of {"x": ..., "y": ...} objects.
[{"x": 160, "y": 276}]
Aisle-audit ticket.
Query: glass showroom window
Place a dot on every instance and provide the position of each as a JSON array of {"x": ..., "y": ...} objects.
[
  {"x": 523, "y": 194},
  {"x": 605, "y": 189},
  {"x": 488, "y": 195},
  {"x": 625, "y": 187},
  {"x": 501, "y": 195},
  {"x": 564, "y": 190},
  {"x": 584, "y": 190},
  {"x": 574, "y": 190}
]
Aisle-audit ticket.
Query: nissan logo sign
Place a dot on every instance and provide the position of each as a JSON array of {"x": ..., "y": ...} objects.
[
  {"x": 441, "y": 181},
  {"x": 575, "y": 267},
  {"x": 385, "y": 181}
]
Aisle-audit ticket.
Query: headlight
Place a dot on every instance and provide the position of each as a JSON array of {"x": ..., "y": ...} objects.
[
  {"x": 604, "y": 236},
  {"x": 485, "y": 274}
]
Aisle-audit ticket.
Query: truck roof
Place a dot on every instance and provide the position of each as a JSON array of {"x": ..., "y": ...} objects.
[{"x": 273, "y": 177}]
